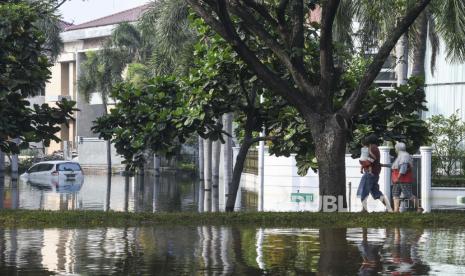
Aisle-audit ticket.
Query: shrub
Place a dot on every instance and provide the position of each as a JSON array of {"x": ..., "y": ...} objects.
[{"x": 448, "y": 135}]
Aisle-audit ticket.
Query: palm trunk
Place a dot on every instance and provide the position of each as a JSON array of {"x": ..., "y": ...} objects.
[
  {"x": 330, "y": 147},
  {"x": 402, "y": 59},
  {"x": 156, "y": 164},
  {"x": 419, "y": 52},
  {"x": 108, "y": 142},
  {"x": 227, "y": 152},
  {"x": 201, "y": 158},
  {"x": 216, "y": 152}
]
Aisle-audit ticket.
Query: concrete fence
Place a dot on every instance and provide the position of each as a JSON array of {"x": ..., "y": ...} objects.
[{"x": 284, "y": 190}]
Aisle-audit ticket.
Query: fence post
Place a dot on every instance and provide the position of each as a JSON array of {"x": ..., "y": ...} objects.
[
  {"x": 426, "y": 153},
  {"x": 385, "y": 175}
]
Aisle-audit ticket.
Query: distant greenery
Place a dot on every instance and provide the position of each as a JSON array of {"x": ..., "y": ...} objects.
[
  {"x": 448, "y": 151},
  {"x": 80, "y": 219}
]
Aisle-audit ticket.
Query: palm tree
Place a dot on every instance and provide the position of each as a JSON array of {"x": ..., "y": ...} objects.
[
  {"x": 442, "y": 19},
  {"x": 101, "y": 71}
]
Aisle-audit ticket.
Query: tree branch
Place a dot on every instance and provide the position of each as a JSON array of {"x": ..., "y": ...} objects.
[
  {"x": 225, "y": 29},
  {"x": 58, "y": 6},
  {"x": 295, "y": 68},
  {"x": 326, "y": 48},
  {"x": 297, "y": 38},
  {"x": 206, "y": 15},
  {"x": 281, "y": 12},
  {"x": 350, "y": 107},
  {"x": 260, "y": 9}
]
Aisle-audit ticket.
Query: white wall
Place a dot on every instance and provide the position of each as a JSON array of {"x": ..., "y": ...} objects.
[
  {"x": 445, "y": 89},
  {"x": 93, "y": 152}
]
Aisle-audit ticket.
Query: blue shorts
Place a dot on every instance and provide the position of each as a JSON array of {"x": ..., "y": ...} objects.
[{"x": 369, "y": 185}]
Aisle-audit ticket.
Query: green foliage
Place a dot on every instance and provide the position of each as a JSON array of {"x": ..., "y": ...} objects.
[
  {"x": 166, "y": 24},
  {"x": 393, "y": 115},
  {"x": 102, "y": 70},
  {"x": 151, "y": 116},
  {"x": 24, "y": 71},
  {"x": 448, "y": 137},
  {"x": 24, "y": 66}
]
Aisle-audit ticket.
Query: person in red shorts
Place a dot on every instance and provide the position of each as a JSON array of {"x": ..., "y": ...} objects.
[{"x": 402, "y": 178}]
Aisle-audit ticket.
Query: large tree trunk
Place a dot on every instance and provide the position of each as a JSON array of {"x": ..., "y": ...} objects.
[
  {"x": 419, "y": 52},
  {"x": 402, "y": 59},
  {"x": 333, "y": 251},
  {"x": 330, "y": 147},
  {"x": 227, "y": 152},
  {"x": 236, "y": 178}
]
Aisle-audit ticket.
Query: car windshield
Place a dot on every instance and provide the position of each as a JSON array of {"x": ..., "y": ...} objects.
[{"x": 68, "y": 167}]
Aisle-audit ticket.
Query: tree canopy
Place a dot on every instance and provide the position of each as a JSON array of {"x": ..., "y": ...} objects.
[{"x": 24, "y": 71}]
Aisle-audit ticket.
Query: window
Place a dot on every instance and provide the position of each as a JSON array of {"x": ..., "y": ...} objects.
[
  {"x": 69, "y": 167},
  {"x": 44, "y": 167},
  {"x": 33, "y": 169}
]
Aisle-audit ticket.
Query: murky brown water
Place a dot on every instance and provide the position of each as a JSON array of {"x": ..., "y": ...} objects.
[{"x": 231, "y": 251}]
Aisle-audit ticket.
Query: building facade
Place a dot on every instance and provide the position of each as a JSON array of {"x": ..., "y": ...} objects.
[{"x": 78, "y": 40}]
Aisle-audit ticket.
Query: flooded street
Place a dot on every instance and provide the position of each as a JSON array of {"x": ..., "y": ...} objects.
[
  {"x": 167, "y": 193},
  {"x": 205, "y": 250},
  {"x": 211, "y": 250}
]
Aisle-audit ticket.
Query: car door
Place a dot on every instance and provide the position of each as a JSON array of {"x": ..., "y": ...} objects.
[{"x": 32, "y": 172}]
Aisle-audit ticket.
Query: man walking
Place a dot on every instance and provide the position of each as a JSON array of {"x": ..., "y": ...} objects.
[{"x": 371, "y": 169}]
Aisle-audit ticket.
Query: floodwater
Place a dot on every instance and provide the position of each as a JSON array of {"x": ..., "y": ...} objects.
[
  {"x": 212, "y": 250},
  {"x": 167, "y": 193}
]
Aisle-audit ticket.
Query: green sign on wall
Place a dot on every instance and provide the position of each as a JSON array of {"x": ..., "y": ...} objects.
[{"x": 301, "y": 197}]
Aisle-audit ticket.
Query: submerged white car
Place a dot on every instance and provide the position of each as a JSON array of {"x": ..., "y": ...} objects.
[{"x": 56, "y": 173}]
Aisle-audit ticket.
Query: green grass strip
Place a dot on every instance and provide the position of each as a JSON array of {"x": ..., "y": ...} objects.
[{"x": 91, "y": 219}]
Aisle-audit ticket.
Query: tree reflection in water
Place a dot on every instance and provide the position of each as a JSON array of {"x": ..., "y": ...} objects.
[{"x": 212, "y": 250}]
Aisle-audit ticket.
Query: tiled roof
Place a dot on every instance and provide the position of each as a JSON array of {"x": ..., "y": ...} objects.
[
  {"x": 64, "y": 25},
  {"x": 125, "y": 16}
]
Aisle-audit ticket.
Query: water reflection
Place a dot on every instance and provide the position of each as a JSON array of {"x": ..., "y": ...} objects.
[
  {"x": 217, "y": 250},
  {"x": 109, "y": 192}
]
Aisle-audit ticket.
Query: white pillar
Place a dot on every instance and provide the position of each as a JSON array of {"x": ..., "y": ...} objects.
[
  {"x": 261, "y": 175},
  {"x": 261, "y": 168},
  {"x": 207, "y": 160},
  {"x": 426, "y": 153},
  {"x": 201, "y": 157},
  {"x": 156, "y": 164},
  {"x": 66, "y": 154},
  {"x": 385, "y": 175}
]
